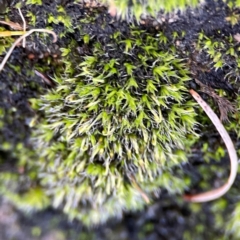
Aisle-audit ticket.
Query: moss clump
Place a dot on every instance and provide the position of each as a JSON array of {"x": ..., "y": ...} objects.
[
  {"x": 222, "y": 53},
  {"x": 116, "y": 122},
  {"x": 127, "y": 8},
  {"x": 222, "y": 57}
]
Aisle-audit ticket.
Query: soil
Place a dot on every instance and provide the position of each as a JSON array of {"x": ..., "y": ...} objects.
[{"x": 166, "y": 218}]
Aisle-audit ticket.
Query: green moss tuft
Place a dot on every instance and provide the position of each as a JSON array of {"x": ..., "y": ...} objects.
[{"x": 116, "y": 123}]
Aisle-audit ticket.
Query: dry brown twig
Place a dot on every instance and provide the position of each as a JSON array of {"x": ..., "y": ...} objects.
[
  {"x": 13, "y": 25},
  {"x": 216, "y": 193}
]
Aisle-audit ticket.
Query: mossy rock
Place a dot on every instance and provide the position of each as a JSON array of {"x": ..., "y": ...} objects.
[{"x": 113, "y": 132}]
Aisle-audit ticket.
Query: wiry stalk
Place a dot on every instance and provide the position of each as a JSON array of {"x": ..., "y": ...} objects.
[{"x": 216, "y": 193}]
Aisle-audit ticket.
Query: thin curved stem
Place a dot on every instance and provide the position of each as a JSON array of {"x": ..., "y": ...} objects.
[
  {"x": 24, "y": 26},
  {"x": 216, "y": 193},
  {"x": 23, "y": 37}
]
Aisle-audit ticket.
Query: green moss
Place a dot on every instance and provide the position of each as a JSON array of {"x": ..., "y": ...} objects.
[
  {"x": 233, "y": 16},
  {"x": 233, "y": 223},
  {"x": 114, "y": 120},
  {"x": 36, "y": 2},
  {"x": 234, "y": 124},
  {"x": 32, "y": 18},
  {"x": 61, "y": 18},
  {"x": 232, "y": 4},
  {"x": 126, "y": 8},
  {"x": 5, "y": 42},
  {"x": 222, "y": 52}
]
